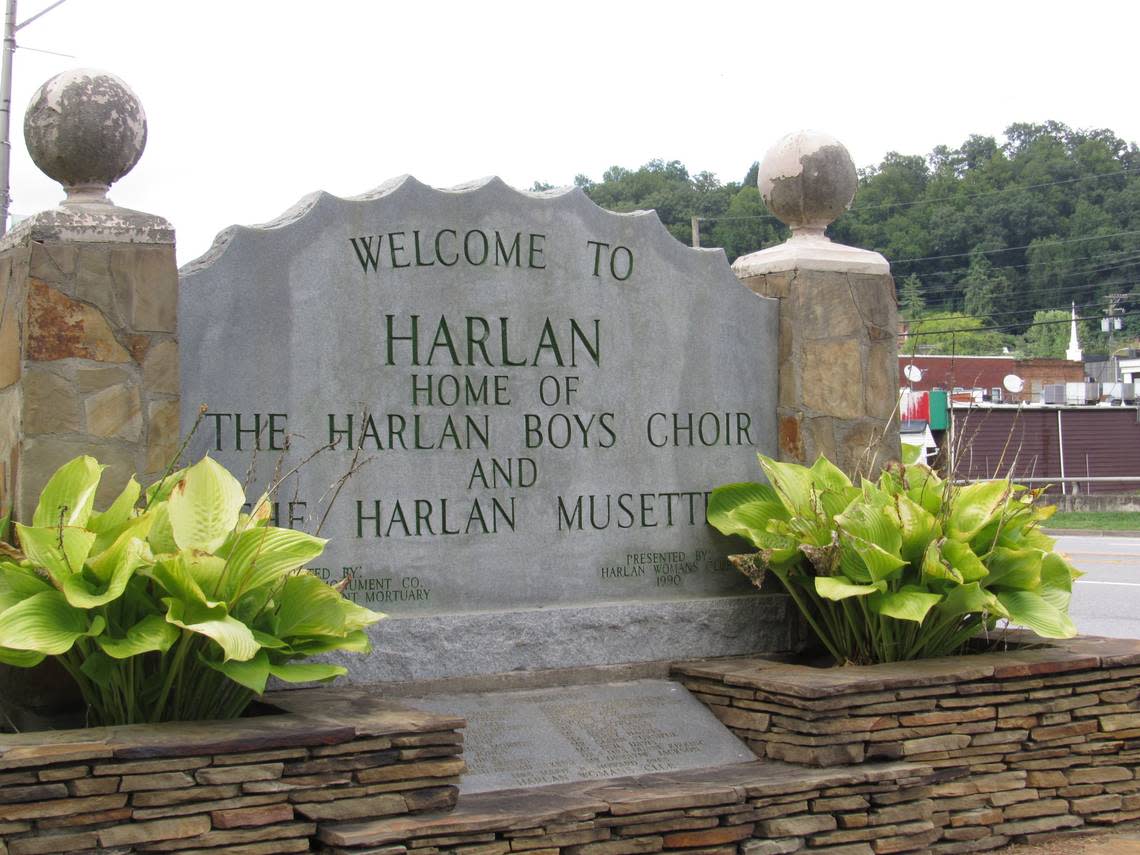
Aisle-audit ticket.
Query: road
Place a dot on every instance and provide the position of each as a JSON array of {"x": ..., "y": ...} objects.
[{"x": 1106, "y": 600}]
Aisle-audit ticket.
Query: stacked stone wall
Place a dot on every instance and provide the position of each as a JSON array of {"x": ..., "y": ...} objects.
[
  {"x": 252, "y": 786},
  {"x": 752, "y": 808},
  {"x": 1024, "y": 743}
]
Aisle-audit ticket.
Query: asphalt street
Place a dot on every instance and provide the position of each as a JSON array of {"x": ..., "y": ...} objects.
[{"x": 1106, "y": 600}]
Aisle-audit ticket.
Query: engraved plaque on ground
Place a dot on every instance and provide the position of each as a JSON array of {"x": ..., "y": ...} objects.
[
  {"x": 535, "y": 396},
  {"x": 552, "y": 736}
]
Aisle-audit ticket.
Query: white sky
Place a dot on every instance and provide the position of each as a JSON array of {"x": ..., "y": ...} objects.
[{"x": 254, "y": 103}]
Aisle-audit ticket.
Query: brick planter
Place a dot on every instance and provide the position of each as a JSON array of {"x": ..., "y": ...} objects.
[
  {"x": 254, "y": 785},
  {"x": 1026, "y": 742}
]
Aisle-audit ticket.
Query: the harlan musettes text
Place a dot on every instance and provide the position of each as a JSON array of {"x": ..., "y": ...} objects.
[{"x": 501, "y": 395}]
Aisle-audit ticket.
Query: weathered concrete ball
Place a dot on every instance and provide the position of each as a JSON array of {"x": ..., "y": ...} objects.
[
  {"x": 85, "y": 127},
  {"x": 807, "y": 179}
]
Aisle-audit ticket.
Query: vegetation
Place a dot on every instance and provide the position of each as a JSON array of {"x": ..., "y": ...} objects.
[
  {"x": 984, "y": 234},
  {"x": 181, "y": 608},
  {"x": 905, "y": 568},
  {"x": 1097, "y": 520}
]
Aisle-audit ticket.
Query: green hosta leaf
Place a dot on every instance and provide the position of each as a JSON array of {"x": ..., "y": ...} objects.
[
  {"x": 871, "y": 521},
  {"x": 60, "y": 551},
  {"x": 909, "y": 603},
  {"x": 206, "y": 570},
  {"x": 833, "y": 488},
  {"x": 1014, "y": 569},
  {"x": 18, "y": 583},
  {"x": 974, "y": 506},
  {"x": 46, "y": 624},
  {"x": 880, "y": 563},
  {"x": 69, "y": 494},
  {"x": 212, "y": 621},
  {"x": 838, "y": 588},
  {"x": 129, "y": 543},
  {"x": 744, "y": 509},
  {"x": 261, "y": 556},
  {"x": 791, "y": 482},
  {"x": 827, "y": 476},
  {"x": 926, "y": 488},
  {"x": 106, "y": 525},
  {"x": 88, "y": 590},
  {"x": 936, "y": 566},
  {"x": 204, "y": 506},
  {"x": 161, "y": 536},
  {"x": 310, "y": 607},
  {"x": 358, "y": 617},
  {"x": 252, "y": 673},
  {"x": 918, "y": 526},
  {"x": 911, "y": 453},
  {"x": 98, "y": 667},
  {"x": 309, "y": 672},
  {"x": 269, "y": 642},
  {"x": 970, "y": 598},
  {"x": 1030, "y": 609},
  {"x": 356, "y": 641},
  {"x": 160, "y": 490},
  {"x": 5, "y": 524},
  {"x": 959, "y": 556},
  {"x": 20, "y": 658},
  {"x": 152, "y": 633},
  {"x": 1057, "y": 581},
  {"x": 173, "y": 574}
]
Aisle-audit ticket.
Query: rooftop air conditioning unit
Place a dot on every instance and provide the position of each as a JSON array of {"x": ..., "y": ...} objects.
[
  {"x": 1079, "y": 394},
  {"x": 1053, "y": 393}
]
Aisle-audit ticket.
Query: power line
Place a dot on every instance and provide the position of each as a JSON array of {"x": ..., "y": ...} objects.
[
  {"x": 1010, "y": 326},
  {"x": 1011, "y": 248},
  {"x": 1134, "y": 258},
  {"x": 1065, "y": 293},
  {"x": 953, "y": 315}
]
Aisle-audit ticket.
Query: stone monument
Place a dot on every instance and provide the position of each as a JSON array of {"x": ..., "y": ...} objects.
[
  {"x": 535, "y": 397},
  {"x": 838, "y": 316}
]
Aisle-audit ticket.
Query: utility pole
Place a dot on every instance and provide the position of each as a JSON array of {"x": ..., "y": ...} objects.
[
  {"x": 696, "y": 226},
  {"x": 9, "y": 48},
  {"x": 1110, "y": 324}
]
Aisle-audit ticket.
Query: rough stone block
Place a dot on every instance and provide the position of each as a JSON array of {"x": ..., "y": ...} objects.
[
  {"x": 240, "y": 774},
  {"x": 62, "y": 328},
  {"x": 130, "y": 834},
  {"x": 252, "y": 816},
  {"x": 43, "y": 844},
  {"x": 114, "y": 413},
  {"x": 151, "y": 277}
]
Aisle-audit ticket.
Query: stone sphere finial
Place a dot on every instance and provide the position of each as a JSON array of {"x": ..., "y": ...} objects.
[
  {"x": 807, "y": 180},
  {"x": 85, "y": 129}
]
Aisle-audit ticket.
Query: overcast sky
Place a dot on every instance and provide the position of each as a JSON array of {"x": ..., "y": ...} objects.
[{"x": 252, "y": 104}]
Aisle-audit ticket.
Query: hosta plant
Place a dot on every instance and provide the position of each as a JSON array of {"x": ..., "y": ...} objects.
[
  {"x": 907, "y": 567},
  {"x": 172, "y": 603}
]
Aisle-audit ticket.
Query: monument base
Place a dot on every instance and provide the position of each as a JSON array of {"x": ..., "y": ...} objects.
[{"x": 483, "y": 643}]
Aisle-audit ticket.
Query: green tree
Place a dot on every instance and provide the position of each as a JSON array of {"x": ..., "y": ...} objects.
[
  {"x": 910, "y": 298},
  {"x": 953, "y": 334},
  {"x": 982, "y": 287},
  {"x": 1048, "y": 335}
]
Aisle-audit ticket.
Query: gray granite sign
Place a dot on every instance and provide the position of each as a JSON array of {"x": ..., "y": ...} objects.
[
  {"x": 535, "y": 397},
  {"x": 578, "y": 733}
]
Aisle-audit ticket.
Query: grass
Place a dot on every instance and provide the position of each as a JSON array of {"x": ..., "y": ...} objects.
[{"x": 1099, "y": 520}]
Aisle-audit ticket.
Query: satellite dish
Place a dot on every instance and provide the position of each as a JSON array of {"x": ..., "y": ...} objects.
[
  {"x": 1013, "y": 383},
  {"x": 912, "y": 373}
]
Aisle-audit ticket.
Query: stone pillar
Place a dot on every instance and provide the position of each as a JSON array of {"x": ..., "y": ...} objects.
[
  {"x": 88, "y": 346},
  {"x": 838, "y": 356}
]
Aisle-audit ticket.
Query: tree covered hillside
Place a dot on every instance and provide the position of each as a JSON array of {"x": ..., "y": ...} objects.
[{"x": 991, "y": 236}]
